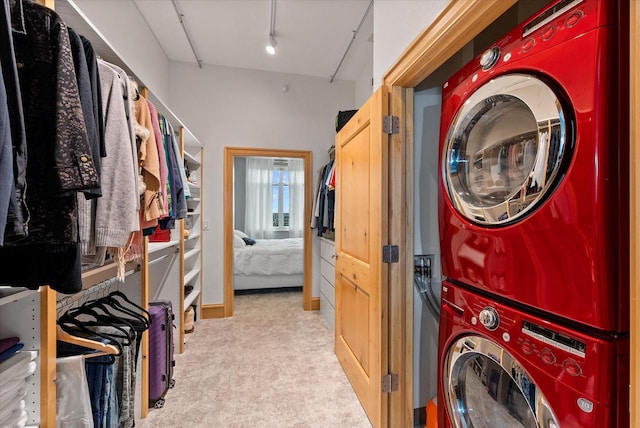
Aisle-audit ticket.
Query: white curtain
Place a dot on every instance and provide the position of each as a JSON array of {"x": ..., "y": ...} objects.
[
  {"x": 296, "y": 198},
  {"x": 258, "y": 219}
]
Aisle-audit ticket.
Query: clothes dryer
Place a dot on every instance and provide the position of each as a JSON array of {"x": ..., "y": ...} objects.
[
  {"x": 501, "y": 367},
  {"x": 533, "y": 200}
]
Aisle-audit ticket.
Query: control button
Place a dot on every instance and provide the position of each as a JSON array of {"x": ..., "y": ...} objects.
[
  {"x": 489, "y": 318},
  {"x": 547, "y": 356},
  {"x": 572, "y": 367},
  {"x": 573, "y": 19},
  {"x": 506, "y": 337},
  {"x": 527, "y": 348},
  {"x": 549, "y": 32},
  {"x": 585, "y": 405},
  {"x": 507, "y": 57},
  {"x": 490, "y": 57},
  {"x": 528, "y": 44},
  {"x": 474, "y": 320},
  {"x": 474, "y": 78}
]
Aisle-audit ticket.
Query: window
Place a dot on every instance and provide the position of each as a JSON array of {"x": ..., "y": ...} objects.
[{"x": 280, "y": 206}]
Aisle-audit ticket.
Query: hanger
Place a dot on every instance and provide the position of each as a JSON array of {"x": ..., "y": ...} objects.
[
  {"x": 124, "y": 297},
  {"x": 106, "y": 319},
  {"x": 115, "y": 304},
  {"x": 102, "y": 348}
]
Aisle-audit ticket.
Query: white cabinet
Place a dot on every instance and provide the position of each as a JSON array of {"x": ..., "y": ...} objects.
[{"x": 327, "y": 281}]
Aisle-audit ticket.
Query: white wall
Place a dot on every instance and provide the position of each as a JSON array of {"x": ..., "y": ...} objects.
[
  {"x": 396, "y": 23},
  {"x": 245, "y": 108},
  {"x": 364, "y": 86},
  {"x": 124, "y": 27}
]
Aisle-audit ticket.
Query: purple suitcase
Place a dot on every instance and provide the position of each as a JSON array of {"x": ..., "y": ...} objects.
[{"x": 161, "y": 360}]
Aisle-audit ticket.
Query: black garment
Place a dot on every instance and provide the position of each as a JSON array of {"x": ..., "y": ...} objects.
[
  {"x": 39, "y": 264},
  {"x": 86, "y": 100},
  {"x": 54, "y": 124},
  {"x": 96, "y": 91},
  {"x": 55, "y": 131},
  {"x": 7, "y": 187},
  {"x": 16, "y": 227}
]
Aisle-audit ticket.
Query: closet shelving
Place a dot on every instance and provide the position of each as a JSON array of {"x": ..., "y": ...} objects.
[
  {"x": 31, "y": 314},
  {"x": 191, "y": 228}
]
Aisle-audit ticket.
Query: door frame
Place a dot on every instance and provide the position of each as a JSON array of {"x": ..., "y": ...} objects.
[
  {"x": 458, "y": 23},
  {"x": 230, "y": 153}
]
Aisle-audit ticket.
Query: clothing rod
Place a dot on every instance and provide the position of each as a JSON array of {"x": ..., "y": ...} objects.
[
  {"x": 94, "y": 289},
  {"x": 355, "y": 34}
]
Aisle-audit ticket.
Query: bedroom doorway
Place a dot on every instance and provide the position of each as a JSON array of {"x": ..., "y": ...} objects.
[{"x": 279, "y": 218}]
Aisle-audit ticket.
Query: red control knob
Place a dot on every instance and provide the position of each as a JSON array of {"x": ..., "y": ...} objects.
[
  {"x": 573, "y": 19},
  {"x": 528, "y": 44},
  {"x": 547, "y": 356},
  {"x": 526, "y": 348},
  {"x": 549, "y": 32},
  {"x": 572, "y": 367}
]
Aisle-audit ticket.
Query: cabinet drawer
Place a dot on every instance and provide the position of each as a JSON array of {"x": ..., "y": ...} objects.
[
  {"x": 328, "y": 271},
  {"x": 328, "y": 313},
  {"x": 327, "y": 250},
  {"x": 328, "y": 291}
]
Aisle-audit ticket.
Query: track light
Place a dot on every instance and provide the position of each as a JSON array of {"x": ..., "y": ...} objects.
[{"x": 271, "y": 46}]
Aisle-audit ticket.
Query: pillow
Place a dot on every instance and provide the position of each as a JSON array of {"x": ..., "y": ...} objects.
[
  {"x": 249, "y": 241},
  {"x": 240, "y": 233},
  {"x": 238, "y": 242}
]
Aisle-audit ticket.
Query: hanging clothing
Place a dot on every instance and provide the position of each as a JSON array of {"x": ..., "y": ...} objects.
[
  {"x": 150, "y": 164},
  {"x": 16, "y": 225},
  {"x": 73, "y": 407},
  {"x": 162, "y": 156},
  {"x": 86, "y": 101},
  {"x": 62, "y": 162},
  {"x": 94, "y": 80},
  {"x": 178, "y": 203},
  {"x": 6, "y": 161}
]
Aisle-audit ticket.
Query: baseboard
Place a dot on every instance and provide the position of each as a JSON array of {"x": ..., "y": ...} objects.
[
  {"x": 212, "y": 311},
  {"x": 315, "y": 303}
]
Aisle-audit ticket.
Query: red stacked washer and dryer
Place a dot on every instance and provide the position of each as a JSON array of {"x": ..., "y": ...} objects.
[{"x": 533, "y": 215}]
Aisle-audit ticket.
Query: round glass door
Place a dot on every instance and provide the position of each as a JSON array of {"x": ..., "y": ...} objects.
[
  {"x": 504, "y": 149},
  {"x": 487, "y": 387}
]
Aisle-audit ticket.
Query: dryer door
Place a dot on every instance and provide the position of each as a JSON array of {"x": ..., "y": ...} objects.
[
  {"x": 505, "y": 149},
  {"x": 486, "y": 386}
]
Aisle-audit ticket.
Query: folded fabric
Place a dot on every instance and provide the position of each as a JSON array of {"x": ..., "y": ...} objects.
[
  {"x": 22, "y": 358},
  {"x": 18, "y": 372},
  {"x": 13, "y": 403},
  {"x": 8, "y": 343},
  {"x": 11, "y": 389},
  {"x": 18, "y": 418},
  {"x": 7, "y": 413},
  {"x": 10, "y": 352}
]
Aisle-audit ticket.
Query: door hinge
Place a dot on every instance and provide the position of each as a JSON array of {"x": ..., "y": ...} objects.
[
  {"x": 390, "y": 254},
  {"x": 390, "y": 124},
  {"x": 390, "y": 382}
]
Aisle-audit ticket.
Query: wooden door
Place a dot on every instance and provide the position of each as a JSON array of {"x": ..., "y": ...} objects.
[{"x": 361, "y": 277}]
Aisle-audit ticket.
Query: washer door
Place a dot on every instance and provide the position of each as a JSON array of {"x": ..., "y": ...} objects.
[
  {"x": 504, "y": 149},
  {"x": 487, "y": 387}
]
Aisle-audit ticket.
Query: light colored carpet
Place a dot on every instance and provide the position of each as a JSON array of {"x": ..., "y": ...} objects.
[{"x": 271, "y": 365}]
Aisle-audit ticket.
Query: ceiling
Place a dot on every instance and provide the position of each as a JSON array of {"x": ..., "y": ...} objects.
[{"x": 312, "y": 35}]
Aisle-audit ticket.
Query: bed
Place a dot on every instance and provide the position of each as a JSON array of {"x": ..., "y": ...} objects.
[{"x": 267, "y": 263}]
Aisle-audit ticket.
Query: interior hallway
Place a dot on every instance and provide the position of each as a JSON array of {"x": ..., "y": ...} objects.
[{"x": 270, "y": 365}]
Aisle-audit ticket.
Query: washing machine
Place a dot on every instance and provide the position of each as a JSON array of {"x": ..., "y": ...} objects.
[
  {"x": 502, "y": 367},
  {"x": 533, "y": 204}
]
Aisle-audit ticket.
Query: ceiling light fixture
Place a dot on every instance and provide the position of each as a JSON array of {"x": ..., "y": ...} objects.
[{"x": 271, "y": 46}]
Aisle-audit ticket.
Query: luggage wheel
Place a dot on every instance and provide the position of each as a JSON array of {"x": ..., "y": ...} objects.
[
  {"x": 159, "y": 404},
  {"x": 172, "y": 383}
]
